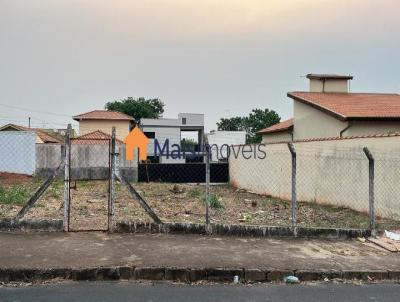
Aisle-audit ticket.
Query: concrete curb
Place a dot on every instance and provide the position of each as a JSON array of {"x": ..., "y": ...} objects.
[
  {"x": 56, "y": 225},
  {"x": 238, "y": 230},
  {"x": 43, "y": 225},
  {"x": 188, "y": 275}
]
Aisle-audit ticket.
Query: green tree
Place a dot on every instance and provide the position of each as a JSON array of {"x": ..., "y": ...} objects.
[
  {"x": 255, "y": 121},
  {"x": 188, "y": 144},
  {"x": 259, "y": 119},
  {"x": 138, "y": 108},
  {"x": 231, "y": 124}
]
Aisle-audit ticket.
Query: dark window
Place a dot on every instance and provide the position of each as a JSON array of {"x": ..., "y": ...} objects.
[
  {"x": 184, "y": 121},
  {"x": 150, "y": 134}
]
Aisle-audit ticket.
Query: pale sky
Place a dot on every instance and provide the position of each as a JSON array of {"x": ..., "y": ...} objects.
[{"x": 217, "y": 57}]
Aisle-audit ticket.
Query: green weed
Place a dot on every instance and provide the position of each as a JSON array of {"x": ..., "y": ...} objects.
[
  {"x": 194, "y": 192},
  {"x": 215, "y": 202},
  {"x": 17, "y": 195}
]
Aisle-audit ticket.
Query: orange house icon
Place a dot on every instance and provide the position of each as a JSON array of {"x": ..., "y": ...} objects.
[{"x": 136, "y": 139}]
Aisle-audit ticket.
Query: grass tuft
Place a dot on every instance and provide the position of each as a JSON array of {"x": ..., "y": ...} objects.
[
  {"x": 16, "y": 195},
  {"x": 215, "y": 202},
  {"x": 194, "y": 192}
]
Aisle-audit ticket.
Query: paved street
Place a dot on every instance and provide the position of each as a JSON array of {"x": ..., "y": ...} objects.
[{"x": 129, "y": 291}]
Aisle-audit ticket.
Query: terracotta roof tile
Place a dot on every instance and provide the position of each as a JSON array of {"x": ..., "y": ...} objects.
[
  {"x": 94, "y": 138},
  {"x": 353, "y": 106},
  {"x": 103, "y": 115},
  {"x": 46, "y": 138},
  {"x": 282, "y": 126}
]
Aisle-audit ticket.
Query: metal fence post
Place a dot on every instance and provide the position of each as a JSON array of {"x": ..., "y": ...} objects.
[
  {"x": 66, "y": 159},
  {"x": 294, "y": 196},
  {"x": 112, "y": 182},
  {"x": 371, "y": 193},
  {"x": 207, "y": 153}
]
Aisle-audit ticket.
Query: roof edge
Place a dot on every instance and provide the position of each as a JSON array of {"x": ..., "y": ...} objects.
[
  {"x": 265, "y": 131},
  {"x": 316, "y": 76},
  {"x": 275, "y": 131},
  {"x": 79, "y": 116},
  {"x": 316, "y": 106}
]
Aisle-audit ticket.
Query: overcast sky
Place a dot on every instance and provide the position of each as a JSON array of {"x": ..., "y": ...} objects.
[{"x": 217, "y": 57}]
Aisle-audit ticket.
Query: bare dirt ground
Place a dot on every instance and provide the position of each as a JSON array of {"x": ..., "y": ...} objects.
[
  {"x": 185, "y": 203},
  {"x": 172, "y": 203}
]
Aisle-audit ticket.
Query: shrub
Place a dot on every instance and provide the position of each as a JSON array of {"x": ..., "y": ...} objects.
[{"x": 215, "y": 201}]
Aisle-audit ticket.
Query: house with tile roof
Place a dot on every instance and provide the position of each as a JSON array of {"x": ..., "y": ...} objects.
[
  {"x": 329, "y": 110},
  {"x": 103, "y": 121},
  {"x": 42, "y": 136}
]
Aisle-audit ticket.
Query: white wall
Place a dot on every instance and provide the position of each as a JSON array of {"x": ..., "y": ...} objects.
[
  {"x": 159, "y": 122},
  {"x": 313, "y": 123},
  {"x": 372, "y": 127},
  {"x": 331, "y": 172},
  {"x": 277, "y": 137},
  {"x": 17, "y": 152},
  {"x": 192, "y": 119},
  {"x": 330, "y": 85},
  {"x": 48, "y": 156},
  {"x": 121, "y": 127},
  {"x": 161, "y": 134},
  {"x": 220, "y": 138}
]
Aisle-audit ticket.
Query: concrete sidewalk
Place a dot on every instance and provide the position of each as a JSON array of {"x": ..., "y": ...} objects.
[{"x": 79, "y": 251}]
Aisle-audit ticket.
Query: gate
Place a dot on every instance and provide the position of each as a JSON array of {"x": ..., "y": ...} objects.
[{"x": 89, "y": 184}]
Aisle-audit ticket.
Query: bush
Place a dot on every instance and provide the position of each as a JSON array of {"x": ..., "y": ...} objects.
[
  {"x": 17, "y": 195},
  {"x": 215, "y": 201}
]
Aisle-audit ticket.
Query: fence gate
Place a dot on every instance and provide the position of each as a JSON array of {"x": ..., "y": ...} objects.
[{"x": 89, "y": 184}]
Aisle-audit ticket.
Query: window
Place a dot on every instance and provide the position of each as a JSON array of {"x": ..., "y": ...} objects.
[
  {"x": 150, "y": 134},
  {"x": 184, "y": 121}
]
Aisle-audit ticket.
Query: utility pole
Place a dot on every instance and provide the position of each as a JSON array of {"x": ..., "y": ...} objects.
[{"x": 29, "y": 122}]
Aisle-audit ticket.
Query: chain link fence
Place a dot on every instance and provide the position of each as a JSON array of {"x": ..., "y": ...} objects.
[
  {"x": 90, "y": 184},
  {"x": 332, "y": 188},
  {"x": 322, "y": 187},
  {"x": 257, "y": 193},
  {"x": 22, "y": 192}
]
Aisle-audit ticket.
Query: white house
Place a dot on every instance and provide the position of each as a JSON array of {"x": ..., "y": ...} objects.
[
  {"x": 329, "y": 110},
  {"x": 169, "y": 130}
]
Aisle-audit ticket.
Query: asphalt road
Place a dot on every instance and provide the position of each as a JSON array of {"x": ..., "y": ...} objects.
[{"x": 129, "y": 291}]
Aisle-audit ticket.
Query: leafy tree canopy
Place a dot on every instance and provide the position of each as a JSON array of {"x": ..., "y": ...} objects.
[
  {"x": 255, "y": 121},
  {"x": 138, "y": 108}
]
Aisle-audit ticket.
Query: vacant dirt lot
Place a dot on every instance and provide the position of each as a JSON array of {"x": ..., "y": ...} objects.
[
  {"x": 185, "y": 203},
  {"x": 171, "y": 202}
]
